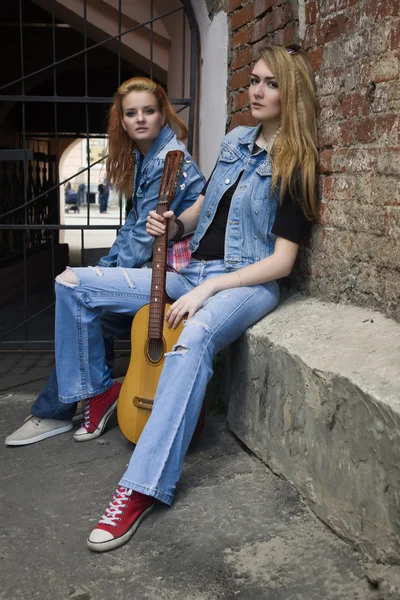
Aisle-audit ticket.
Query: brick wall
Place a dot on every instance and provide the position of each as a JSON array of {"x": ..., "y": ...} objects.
[{"x": 354, "y": 252}]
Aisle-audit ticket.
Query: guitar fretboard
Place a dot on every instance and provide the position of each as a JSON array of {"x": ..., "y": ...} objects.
[{"x": 157, "y": 297}]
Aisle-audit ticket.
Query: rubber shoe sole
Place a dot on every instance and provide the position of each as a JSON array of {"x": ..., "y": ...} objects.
[
  {"x": 81, "y": 435},
  {"x": 40, "y": 437},
  {"x": 121, "y": 540}
]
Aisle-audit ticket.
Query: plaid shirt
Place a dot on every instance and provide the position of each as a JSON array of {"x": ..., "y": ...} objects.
[{"x": 178, "y": 255}]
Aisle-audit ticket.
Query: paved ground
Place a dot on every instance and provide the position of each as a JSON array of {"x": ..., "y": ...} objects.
[{"x": 236, "y": 531}]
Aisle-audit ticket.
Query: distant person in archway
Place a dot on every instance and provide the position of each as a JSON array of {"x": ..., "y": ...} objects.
[
  {"x": 71, "y": 198},
  {"x": 140, "y": 135}
]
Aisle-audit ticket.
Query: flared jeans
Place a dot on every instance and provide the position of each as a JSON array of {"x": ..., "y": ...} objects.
[{"x": 82, "y": 372}]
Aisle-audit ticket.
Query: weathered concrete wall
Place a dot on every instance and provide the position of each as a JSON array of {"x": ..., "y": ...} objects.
[
  {"x": 354, "y": 253},
  {"x": 314, "y": 391}
]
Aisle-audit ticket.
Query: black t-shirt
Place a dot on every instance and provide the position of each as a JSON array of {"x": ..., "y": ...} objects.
[{"x": 290, "y": 223}]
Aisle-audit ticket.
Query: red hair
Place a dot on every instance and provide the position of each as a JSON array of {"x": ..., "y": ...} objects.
[{"x": 120, "y": 160}]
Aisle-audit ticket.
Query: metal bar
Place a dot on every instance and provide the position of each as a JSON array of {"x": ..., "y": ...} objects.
[
  {"x": 26, "y": 226},
  {"x": 16, "y": 154},
  {"x": 74, "y": 99},
  {"x": 119, "y": 40},
  {"x": 55, "y": 112},
  {"x": 106, "y": 41},
  {"x": 86, "y": 111},
  {"x": 183, "y": 51},
  {"x": 193, "y": 70},
  {"x": 25, "y": 274},
  {"x": 51, "y": 189},
  {"x": 151, "y": 39}
]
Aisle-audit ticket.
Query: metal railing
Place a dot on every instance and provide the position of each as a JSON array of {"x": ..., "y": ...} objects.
[{"x": 30, "y": 180}]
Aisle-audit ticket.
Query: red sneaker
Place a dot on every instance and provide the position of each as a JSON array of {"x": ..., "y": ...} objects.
[
  {"x": 97, "y": 412},
  {"x": 123, "y": 516}
]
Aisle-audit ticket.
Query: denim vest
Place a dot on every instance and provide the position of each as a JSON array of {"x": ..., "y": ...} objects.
[
  {"x": 133, "y": 246},
  {"x": 253, "y": 208}
]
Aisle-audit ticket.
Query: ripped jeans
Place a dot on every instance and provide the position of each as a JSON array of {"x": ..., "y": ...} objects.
[{"x": 157, "y": 461}]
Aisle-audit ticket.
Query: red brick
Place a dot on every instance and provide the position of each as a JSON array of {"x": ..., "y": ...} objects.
[
  {"x": 331, "y": 29},
  {"x": 326, "y": 186},
  {"x": 242, "y": 57},
  {"x": 277, "y": 19},
  {"x": 261, "y": 6},
  {"x": 364, "y": 130},
  {"x": 325, "y": 161},
  {"x": 277, "y": 38},
  {"x": 365, "y": 70},
  {"x": 336, "y": 5},
  {"x": 288, "y": 13},
  {"x": 234, "y": 4},
  {"x": 311, "y": 12},
  {"x": 261, "y": 28},
  {"x": 354, "y": 105},
  {"x": 346, "y": 133},
  {"x": 289, "y": 33},
  {"x": 243, "y": 118},
  {"x": 381, "y": 9},
  {"x": 242, "y": 17},
  {"x": 395, "y": 36},
  {"x": 328, "y": 134},
  {"x": 240, "y": 101},
  {"x": 384, "y": 124},
  {"x": 323, "y": 216},
  {"x": 240, "y": 78},
  {"x": 242, "y": 37},
  {"x": 310, "y": 37},
  {"x": 315, "y": 57},
  {"x": 255, "y": 49}
]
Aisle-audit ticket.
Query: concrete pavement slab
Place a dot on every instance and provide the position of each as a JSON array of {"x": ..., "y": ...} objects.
[{"x": 236, "y": 530}]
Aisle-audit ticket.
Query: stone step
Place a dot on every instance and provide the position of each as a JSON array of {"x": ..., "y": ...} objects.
[{"x": 314, "y": 391}]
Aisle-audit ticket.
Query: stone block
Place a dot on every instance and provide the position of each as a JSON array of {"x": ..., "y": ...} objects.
[{"x": 314, "y": 391}]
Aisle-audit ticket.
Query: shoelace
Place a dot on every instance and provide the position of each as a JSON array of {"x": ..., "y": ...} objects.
[
  {"x": 119, "y": 500},
  {"x": 86, "y": 424}
]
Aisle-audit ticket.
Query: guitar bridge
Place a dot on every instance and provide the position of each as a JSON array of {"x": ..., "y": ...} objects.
[{"x": 144, "y": 403}]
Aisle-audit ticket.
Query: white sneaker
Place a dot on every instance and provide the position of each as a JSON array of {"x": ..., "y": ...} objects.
[{"x": 36, "y": 429}]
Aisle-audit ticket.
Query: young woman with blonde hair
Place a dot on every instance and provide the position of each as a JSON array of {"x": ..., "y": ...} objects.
[
  {"x": 140, "y": 136},
  {"x": 247, "y": 226}
]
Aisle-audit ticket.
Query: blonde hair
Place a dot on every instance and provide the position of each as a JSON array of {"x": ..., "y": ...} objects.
[
  {"x": 120, "y": 160},
  {"x": 295, "y": 149}
]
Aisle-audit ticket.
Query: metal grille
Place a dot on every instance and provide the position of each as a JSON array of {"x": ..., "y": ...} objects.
[{"x": 49, "y": 101}]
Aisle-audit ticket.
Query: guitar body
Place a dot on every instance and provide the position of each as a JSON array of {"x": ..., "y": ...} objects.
[{"x": 136, "y": 397}]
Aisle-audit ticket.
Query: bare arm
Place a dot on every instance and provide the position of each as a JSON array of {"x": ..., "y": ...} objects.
[
  {"x": 190, "y": 217},
  {"x": 278, "y": 265}
]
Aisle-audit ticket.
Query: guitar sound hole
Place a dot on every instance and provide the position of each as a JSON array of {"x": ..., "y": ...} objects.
[{"x": 155, "y": 350}]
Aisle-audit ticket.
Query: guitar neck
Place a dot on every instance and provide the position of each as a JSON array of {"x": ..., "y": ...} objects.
[{"x": 158, "y": 294}]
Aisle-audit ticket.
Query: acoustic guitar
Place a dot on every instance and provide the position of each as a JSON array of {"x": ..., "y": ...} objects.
[{"x": 151, "y": 337}]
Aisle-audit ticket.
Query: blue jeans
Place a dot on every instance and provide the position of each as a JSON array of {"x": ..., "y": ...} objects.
[
  {"x": 82, "y": 371},
  {"x": 47, "y": 405}
]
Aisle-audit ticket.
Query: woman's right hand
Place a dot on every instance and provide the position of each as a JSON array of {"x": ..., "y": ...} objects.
[{"x": 155, "y": 224}]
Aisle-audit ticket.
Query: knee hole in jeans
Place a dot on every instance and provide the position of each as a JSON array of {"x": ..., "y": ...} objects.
[{"x": 67, "y": 278}]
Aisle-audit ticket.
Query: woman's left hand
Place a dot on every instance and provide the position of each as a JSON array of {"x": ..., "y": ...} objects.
[{"x": 189, "y": 304}]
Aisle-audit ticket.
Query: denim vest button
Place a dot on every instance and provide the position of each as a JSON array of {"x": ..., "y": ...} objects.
[
  {"x": 255, "y": 237},
  {"x": 227, "y": 181},
  {"x": 256, "y": 212},
  {"x": 184, "y": 174},
  {"x": 208, "y": 214}
]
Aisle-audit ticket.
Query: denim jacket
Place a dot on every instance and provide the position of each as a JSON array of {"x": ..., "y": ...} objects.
[
  {"x": 133, "y": 246},
  {"x": 253, "y": 209}
]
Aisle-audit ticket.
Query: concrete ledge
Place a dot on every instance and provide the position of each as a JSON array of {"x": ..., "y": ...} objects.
[{"x": 314, "y": 391}]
